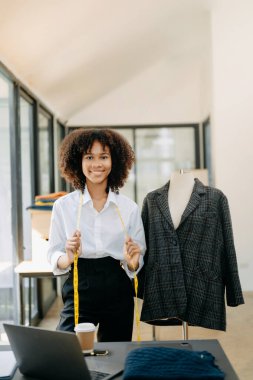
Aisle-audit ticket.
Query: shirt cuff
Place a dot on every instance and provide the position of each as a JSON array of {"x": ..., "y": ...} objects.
[
  {"x": 128, "y": 271},
  {"x": 54, "y": 260}
]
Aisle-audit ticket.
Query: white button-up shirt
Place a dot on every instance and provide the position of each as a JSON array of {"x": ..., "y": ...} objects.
[{"x": 102, "y": 233}]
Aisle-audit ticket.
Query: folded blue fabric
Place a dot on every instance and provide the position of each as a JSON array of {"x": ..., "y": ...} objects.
[{"x": 162, "y": 363}]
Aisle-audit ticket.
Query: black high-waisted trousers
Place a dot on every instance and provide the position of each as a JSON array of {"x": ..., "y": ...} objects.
[{"x": 105, "y": 298}]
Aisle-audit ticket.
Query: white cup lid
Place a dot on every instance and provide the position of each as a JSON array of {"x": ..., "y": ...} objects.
[{"x": 86, "y": 327}]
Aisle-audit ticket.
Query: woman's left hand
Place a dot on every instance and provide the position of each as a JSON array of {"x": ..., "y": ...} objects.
[{"x": 132, "y": 254}]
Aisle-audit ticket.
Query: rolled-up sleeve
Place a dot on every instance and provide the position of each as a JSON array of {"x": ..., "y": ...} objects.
[
  {"x": 57, "y": 239},
  {"x": 136, "y": 232}
]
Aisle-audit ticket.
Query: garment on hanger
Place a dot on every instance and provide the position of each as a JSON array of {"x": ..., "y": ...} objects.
[{"x": 188, "y": 269}]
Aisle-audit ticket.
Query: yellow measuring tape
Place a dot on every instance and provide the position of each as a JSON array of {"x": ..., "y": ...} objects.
[
  {"x": 75, "y": 284},
  {"x": 75, "y": 277},
  {"x": 136, "y": 307}
]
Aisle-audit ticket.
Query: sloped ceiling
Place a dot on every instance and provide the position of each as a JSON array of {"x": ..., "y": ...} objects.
[{"x": 73, "y": 52}]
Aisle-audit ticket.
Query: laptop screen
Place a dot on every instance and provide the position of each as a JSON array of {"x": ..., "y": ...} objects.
[{"x": 49, "y": 355}]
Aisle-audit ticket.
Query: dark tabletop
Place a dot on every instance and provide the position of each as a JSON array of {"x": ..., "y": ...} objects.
[{"x": 115, "y": 359}]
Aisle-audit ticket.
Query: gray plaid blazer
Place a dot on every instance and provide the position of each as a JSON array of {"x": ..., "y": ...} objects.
[{"x": 187, "y": 270}]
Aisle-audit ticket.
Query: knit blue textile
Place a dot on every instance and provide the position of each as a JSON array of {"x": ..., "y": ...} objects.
[{"x": 162, "y": 363}]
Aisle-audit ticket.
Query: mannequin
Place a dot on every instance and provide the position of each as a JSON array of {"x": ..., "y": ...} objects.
[
  {"x": 180, "y": 190},
  {"x": 190, "y": 268}
]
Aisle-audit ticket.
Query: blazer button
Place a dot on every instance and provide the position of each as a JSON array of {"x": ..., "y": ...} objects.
[{"x": 174, "y": 241}]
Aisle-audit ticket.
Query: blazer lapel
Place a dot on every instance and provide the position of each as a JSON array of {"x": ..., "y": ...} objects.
[
  {"x": 195, "y": 199},
  {"x": 163, "y": 205},
  {"x": 162, "y": 202}
]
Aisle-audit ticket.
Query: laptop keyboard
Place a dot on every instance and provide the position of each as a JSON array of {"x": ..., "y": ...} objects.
[{"x": 95, "y": 375}]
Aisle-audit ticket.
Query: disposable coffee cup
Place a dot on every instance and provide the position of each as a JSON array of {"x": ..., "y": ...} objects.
[{"x": 85, "y": 333}]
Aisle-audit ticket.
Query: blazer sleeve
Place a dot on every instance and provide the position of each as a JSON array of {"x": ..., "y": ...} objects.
[
  {"x": 234, "y": 294},
  {"x": 142, "y": 273}
]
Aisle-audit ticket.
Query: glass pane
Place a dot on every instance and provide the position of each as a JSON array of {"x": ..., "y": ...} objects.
[
  {"x": 26, "y": 120},
  {"x": 44, "y": 173},
  {"x": 26, "y": 124},
  {"x": 207, "y": 150},
  {"x": 60, "y": 134},
  {"x": 6, "y": 238},
  {"x": 159, "y": 151},
  {"x": 128, "y": 188}
]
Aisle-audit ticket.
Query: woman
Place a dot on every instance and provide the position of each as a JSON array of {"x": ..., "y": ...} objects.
[{"x": 110, "y": 241}]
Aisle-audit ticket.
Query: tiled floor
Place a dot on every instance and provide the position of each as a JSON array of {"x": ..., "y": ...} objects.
[{"x": 237, "y": 341}]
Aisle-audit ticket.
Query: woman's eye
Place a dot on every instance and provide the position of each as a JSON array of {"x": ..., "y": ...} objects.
[{"x": 88, "y": 157}]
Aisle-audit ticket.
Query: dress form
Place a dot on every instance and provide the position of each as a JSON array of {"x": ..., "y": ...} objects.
[{"x": 180, "y": 190}]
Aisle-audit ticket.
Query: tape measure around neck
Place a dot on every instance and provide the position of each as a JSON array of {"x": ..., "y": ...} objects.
[{"x": 75, "y": 274}]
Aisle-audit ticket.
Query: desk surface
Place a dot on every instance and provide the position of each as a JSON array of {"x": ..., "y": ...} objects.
[
  {"x": 34, "y": 269},
  {"x": 118, "y": 351}
]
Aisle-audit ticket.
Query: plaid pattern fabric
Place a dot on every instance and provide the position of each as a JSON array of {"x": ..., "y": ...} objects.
[{"x": 187, "y": 270}]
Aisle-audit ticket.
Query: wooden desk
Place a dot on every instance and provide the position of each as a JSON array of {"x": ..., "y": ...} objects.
[
  {"x": 118, "y": 351},
  {"x": 30, "y": 269}
]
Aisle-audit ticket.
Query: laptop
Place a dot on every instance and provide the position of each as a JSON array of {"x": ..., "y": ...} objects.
[{"x": 50, "y": 355}]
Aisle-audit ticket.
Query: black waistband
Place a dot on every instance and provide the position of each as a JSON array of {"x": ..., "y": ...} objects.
[{"x": 98, "y": 263}]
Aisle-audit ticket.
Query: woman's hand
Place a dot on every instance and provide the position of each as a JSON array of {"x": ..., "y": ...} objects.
[
  {"x": 72, "y": 246},
  {"x": 132, "y": 254}
]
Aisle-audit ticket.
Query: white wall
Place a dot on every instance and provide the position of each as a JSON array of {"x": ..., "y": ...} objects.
[
  {"x": 167, "y": 92},
  {"x": 179, "y": 91},
  {"x": 232, "y": 121}
]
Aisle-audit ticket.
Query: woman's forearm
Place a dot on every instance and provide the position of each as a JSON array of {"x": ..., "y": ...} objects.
[{"x": 64, "y": 262}]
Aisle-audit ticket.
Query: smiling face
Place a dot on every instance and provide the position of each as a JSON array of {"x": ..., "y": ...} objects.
[{"x": 97, "y": 164}]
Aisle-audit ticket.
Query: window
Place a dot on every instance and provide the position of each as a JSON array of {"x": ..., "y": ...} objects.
[
  {"x": 46, "y": 158},
  {"x": 207, "y": 148},
  {"x": 159, "y": 150},
  {"x": 129, "y": 188},
  {"x": 26, "y": 127},
  {"x": 26, "y": 169},
  {"x": 60, "y": 134},
  {"x": 7, "y": 298},
  {"x": 26, "y": 123}
]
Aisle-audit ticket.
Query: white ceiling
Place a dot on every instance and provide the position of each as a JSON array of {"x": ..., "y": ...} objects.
[{"x": 73, "y": 52}]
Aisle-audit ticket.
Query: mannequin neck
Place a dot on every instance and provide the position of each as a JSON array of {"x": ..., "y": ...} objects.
[{"x": 180, "y": 190}]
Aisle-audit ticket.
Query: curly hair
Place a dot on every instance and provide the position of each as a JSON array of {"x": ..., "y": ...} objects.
[{"x": 80, "y": 141}]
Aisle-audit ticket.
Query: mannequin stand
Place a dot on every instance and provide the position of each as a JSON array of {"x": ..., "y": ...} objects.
[{"x": 185, "y": 331}]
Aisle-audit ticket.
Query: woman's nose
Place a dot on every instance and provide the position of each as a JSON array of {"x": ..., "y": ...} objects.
[{"x": 96, "y": 163}]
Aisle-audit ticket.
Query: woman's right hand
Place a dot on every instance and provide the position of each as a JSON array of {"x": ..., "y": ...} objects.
[{"x": 73, "y": 245}]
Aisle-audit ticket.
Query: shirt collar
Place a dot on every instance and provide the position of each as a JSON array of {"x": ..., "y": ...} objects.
[
  {"x": 112, "y": 197},
  {"x": 86, "y": 196}
]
